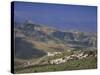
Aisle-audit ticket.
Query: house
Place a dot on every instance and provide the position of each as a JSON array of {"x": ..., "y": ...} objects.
[
  {"x": 53, "y": 53},
  {"x": 57, "y": 61},
  {"x": 86, "y": 55},
  {"x": 68, "y": 58},
  {"x": 50, "y": 54}
]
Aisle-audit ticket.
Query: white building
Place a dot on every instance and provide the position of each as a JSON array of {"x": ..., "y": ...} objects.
[
  {"x": 57, "y": 61},
  {"x": 53, "y": 53}
]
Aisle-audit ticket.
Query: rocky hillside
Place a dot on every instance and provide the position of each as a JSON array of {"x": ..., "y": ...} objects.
[{"x": 43, "y": 39}]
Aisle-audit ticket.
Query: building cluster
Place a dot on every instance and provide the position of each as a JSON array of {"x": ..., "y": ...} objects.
[
  {"x": 68, "y": 58},
  {"x": 76, "y": 56}
]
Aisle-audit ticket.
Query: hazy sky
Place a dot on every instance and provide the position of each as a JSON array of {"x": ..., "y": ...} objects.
[{"x": 67, "y": 17}]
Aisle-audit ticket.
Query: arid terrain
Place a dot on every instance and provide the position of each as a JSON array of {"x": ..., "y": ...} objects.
[{"x": 40, "y": 48}]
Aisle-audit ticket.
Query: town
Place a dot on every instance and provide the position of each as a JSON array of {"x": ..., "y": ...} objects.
[{"x": 79, "y": 55}]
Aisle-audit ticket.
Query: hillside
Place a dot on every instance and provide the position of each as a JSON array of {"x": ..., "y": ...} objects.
[{"x": 34, "y": 43}]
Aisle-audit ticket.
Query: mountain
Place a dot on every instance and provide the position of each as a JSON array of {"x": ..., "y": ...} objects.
[{"x": 32, "y": 40}]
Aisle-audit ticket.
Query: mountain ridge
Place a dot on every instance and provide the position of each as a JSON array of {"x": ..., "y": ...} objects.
[{"x": 50, "y": 39}]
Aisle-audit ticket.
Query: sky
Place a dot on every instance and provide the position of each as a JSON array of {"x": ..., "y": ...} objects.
[{"x": 59, "y": 16}]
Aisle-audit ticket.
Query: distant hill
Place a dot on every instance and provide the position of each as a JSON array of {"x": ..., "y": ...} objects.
[{"x": 49, "y": 39}]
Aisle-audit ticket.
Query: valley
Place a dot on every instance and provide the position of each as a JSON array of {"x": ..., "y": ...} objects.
[{"x": 41, "y": 48}]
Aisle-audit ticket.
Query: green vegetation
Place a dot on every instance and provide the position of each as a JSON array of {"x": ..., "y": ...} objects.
[{"x": 87, "y": 63}]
